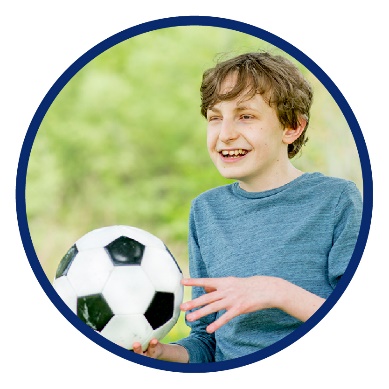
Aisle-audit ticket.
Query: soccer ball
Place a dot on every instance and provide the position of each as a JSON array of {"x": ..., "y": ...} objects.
[{"x": 123, "y": 282}]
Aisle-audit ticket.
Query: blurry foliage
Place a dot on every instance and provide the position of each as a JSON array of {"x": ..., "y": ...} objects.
[{"x": 124, "y": 142}]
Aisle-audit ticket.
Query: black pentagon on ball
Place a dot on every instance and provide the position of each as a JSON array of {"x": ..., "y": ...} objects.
[
  {"x": 125, "y": 251},
  {"x": 66, "y": 261},
  {"x": 160, "y": 310},
  {"x": 94, "y": 311}
]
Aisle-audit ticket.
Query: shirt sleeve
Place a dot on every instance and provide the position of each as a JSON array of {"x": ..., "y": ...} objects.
[
  {"x": 347, "y": 222},
  {"x": 199, "y": 344}
]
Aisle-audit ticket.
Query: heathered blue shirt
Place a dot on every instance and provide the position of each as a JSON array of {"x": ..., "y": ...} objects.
[{"x": 304, "y": 232}]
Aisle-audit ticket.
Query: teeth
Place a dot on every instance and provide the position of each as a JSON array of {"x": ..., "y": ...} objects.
[{"x": 234, "y": 152}]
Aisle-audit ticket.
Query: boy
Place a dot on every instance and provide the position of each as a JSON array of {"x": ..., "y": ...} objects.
[{"x": 266, "y": 251}]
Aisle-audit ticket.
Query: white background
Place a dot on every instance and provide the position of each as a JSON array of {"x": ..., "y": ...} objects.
[{"x": 39, "y": 40}]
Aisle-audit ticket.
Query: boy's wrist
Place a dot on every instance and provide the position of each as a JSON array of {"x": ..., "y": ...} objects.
[
  {"x": 281, "y": 293},
  {"x": 295, "y": 300},
  {"x": 174, "y": 353}
]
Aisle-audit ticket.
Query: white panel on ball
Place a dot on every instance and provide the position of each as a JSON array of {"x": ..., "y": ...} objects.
[
  {"x": 66, "y": 292},
  {"x": 124, "y": 330},
  {"x": 178, "y": 298},
  {"x": 161, "y": 268},
  {"x": 90, "y": 271},
  {"x": 122, "y": 290}
]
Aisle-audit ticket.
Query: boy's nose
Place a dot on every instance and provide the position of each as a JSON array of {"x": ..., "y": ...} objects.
[{"x": 228, "y": 131}]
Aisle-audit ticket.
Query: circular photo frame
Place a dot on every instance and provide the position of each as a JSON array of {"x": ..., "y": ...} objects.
[{"x": 186, "y": 21}]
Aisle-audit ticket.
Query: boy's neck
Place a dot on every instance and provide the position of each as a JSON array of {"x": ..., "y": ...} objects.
[{"x": 272, "y": 180}]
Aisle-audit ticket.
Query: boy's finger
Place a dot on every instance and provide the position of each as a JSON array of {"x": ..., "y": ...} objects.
[
  {"x": 206, "y": 310},
  {"x": 199, "y": 301},
  {"x": 153, "y": 343},
  {"x": 137, "y": 348},
  {"x": 223, "y": 319},
  {"x": 204, "y": 282}
]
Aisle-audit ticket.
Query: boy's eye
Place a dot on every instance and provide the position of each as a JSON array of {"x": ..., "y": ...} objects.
[{"x": 246, "y": 117}]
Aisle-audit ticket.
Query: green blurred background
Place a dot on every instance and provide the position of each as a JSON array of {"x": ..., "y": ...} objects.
[{"x": 124, "y": 143}]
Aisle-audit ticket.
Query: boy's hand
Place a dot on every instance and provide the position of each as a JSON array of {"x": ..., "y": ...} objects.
[
  {"x": 235, "y": 295},
  {"x": 166, "y": 352},
  {"x": 243, "y": 295},
  {"x": 153, "y": 351}
]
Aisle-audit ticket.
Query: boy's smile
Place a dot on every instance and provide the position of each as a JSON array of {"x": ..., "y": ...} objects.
[
  {"x": 232, "y": 155},
  {"x": 247, "y": 142}
]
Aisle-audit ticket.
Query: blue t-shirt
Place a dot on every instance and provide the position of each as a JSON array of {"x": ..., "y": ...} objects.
[{"x": 304, "y": 232}]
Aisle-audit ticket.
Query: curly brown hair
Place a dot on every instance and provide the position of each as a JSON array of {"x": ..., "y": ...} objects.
[{"x": 274, "y": 77}]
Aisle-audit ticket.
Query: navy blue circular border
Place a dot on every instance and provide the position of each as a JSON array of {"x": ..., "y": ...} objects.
[{"x": 193, "y": 21}]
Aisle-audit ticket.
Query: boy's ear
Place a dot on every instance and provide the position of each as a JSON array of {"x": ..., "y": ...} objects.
[{"x": 291, "y": 134}]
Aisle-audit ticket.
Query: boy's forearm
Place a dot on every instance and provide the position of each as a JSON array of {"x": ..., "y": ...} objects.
[
  {"x": 174, "y": 353},
  {"x": 297, "y": 301}
]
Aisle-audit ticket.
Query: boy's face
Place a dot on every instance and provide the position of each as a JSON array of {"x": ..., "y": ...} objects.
[{"x": 245, "y": 140}]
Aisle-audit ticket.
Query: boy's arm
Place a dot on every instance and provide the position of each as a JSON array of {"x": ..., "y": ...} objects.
[{"x": 243, "y": 295}]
